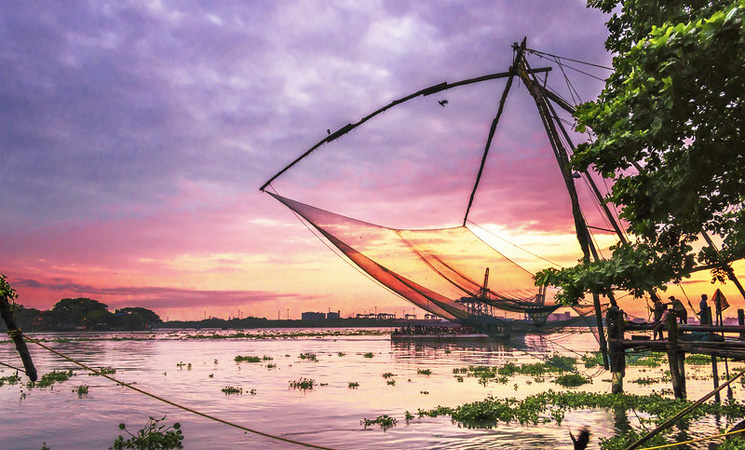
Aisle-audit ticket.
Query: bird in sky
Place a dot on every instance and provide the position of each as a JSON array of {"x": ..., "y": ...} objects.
[{"x": 442, "y": 102}]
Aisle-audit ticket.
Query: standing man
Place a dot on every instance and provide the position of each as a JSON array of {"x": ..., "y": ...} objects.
[
  {"x": 658, "y": 310},
  {"x": 679, "y": 309},
  {"x": 705, "y": 311}
]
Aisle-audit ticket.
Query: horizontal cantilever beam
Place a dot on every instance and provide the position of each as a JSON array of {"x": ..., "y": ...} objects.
[{"x": 423, "y": 92}]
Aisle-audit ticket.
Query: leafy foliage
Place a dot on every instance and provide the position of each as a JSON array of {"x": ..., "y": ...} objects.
[{"x": 670, "y": 128}]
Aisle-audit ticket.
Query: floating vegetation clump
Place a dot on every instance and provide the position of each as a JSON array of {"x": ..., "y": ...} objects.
[
  {"x": 309, "y": 357},
  {"x": 389, "y": 375},
  {"x": 424, "y": 372},
  {"x": 593, "y": 359},
  {"x": 81, "y": 390},
  {"x": 353, "y": 385},
  {"x": 247, "y": 358},
  {"x": 391, "y": 382},
  {"x": 10, "y": 380},
  {"x": 303, "y": 384},
  {"x": 50, "y": 378},
  {"x": 550, "y": 406},
  {"x": 151, "y": 436},
  {"x": 271, "y": 366},
  {"x": 698, "y": 360},
  {"x": 108, "y": 370},
  {"x": 232, "y": 390},
  {"x": 182, "y": 364},
  {"x": 572, "y": 380},
  {"x": 653, "y": 359},
  {"x": 385, "y": 421},
  {"x": 368, "y": 355},
  {"x": 341, "y": 354},
  {"x": 645, "y": 381}
]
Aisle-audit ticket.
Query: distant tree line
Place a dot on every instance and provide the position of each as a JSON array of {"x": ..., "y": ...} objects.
[{"x": 84, "y": 314}]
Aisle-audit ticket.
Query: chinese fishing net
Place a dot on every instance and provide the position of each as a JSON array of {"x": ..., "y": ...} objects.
[{"x": 443, "y": 272}]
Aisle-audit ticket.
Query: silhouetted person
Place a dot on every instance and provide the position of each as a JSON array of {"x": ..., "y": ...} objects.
[
  {"x": 705, "y": 314},
  {"x": 679, "y": 309},
  {"x": 658, "y": 310}
]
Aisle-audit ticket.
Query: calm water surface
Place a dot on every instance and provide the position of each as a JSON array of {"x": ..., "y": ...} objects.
[{"x": 192, "y": 372}]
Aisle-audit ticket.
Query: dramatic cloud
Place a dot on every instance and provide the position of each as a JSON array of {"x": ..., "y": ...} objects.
[{"x": 135, "y": 136}]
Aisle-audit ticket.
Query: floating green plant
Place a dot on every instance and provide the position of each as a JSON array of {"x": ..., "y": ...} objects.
[
  {"x": 247, "y": 358},
  {"x": 391, "y": 382},
  {"x": 353, "y": 385},
  {"x": 653, "y": 359},
  {"x": 309, "y": 357},
  {"x": 108, "y": 370},
  {"x": 151, "y": 436},
  {"x": 409, "y": 416},
  {"x": 232, "y": 390},
  {"x": 389, "y": 375},
  {"x": 368, "y": 355},
  {"x": 698, "y": 359},
  {"x": 10, "y": 380},
  {"x": 303, "y": 384},
  {"x": 271, "y": 366},
  {"x": 341, "y": 354},
  {"x": 182, "y": 364},
  {"x": 645, "y": 381},
  {"x": 81, "y": 390},
  {"x": 593, "y": 359},
  {"x": 572, "y": 380},
  {"x": 424, "y": 372},
  {"x": 385, "y": 421},
  {"x": 50, "y": 378}
]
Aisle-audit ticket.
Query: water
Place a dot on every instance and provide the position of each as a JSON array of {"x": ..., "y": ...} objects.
[{"x": 192, "y": 372}]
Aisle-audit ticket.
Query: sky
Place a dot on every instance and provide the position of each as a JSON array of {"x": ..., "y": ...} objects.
[{"x": 135, "y": 136}]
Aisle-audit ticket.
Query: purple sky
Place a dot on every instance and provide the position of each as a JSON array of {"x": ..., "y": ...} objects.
[{"x": 135, "y": 136}]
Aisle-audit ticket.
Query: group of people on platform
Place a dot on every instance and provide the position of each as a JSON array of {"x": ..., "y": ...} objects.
[{"x": 661, "y": 311}]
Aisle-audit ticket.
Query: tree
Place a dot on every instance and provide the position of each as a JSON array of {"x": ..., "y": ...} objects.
[
  {"x": 138, "y": 318},
  {"x": 79, "y": 312},
  {"x": 670, "y": 134}
]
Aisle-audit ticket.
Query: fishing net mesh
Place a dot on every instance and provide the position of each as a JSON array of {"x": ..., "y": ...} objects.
[{"x": 443, "y": 272}]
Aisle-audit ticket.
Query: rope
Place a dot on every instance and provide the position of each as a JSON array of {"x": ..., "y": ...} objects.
[
  {"x": 12, "y": 367},
  {"x": 693, "y": 441},
  {"x": 682, "y": 413},
  {"x": 185, "y": 408}
]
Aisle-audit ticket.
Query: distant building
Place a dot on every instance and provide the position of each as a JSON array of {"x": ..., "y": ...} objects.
[
  {"x": 333, "y": 315},
  {"x": 310, "y": 315}
]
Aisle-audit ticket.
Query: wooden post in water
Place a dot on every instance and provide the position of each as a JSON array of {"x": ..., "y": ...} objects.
[
  {"x": 715, "y": 376},
  {"x": 616, "y": 352},
  {"x": 675, "y": 358},
  {"x": 741, "y": 322}
]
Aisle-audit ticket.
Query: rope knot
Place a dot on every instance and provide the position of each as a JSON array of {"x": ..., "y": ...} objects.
[{"x": 15, "y": 333}]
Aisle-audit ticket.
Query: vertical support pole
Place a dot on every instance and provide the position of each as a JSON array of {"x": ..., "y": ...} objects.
[
  {"x": 741, "y": 322},
  {"x": 617, "y": 354},
  {"x": 677, "y": 368},
  {"x": 715, "y": 377},
  {"x": 15, "y": 334}
]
